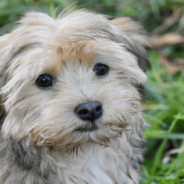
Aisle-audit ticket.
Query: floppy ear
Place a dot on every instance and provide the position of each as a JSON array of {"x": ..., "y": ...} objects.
[
  {"x": 133, "y": 29},
  {"x": 139, "y": 37},
  {"x": 5, "y": 59},
  {"x": 141, "y": 42}
]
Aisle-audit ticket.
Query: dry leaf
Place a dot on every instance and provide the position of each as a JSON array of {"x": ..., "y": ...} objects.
[
  {"x": 173, "y": 66},
  {"x": 166, "y": 40}
]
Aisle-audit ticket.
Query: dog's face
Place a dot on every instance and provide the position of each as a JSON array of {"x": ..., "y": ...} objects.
[{"x": 69, "y": 81}]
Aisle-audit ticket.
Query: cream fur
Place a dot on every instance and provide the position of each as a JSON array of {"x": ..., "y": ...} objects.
[{"x": 40, "y": 143}]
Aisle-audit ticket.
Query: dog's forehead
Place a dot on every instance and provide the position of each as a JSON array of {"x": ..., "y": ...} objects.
[
  {"x": 59, "y": 55},
  {"x": 82, "y": 51}
]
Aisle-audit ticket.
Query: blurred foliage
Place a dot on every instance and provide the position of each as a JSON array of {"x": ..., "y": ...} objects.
[
  {"x": 151, "y": 13},
  {"x": 165, "y": 108}
]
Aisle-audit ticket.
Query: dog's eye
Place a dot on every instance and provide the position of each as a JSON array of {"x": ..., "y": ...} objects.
[
  {"x": 44, "y": 80},
  {"x": 101, "y": 69}
]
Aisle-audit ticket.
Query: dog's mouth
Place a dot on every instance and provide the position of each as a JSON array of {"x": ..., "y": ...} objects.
[{"x": 90, "y": 127}]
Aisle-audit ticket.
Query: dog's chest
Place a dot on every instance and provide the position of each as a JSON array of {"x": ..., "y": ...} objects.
[{"x": 96, "y": 165}]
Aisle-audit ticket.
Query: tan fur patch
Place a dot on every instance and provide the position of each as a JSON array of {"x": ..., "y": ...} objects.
[{"x": 73, "y": 53}]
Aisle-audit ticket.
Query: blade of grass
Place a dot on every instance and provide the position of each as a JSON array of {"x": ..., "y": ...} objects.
[
  {"x": 161, "y": 148},
  {"x": 52, "y": 11}
]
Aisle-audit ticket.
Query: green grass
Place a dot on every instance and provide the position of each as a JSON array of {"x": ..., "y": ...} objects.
[{"x": 164, "y": 112}]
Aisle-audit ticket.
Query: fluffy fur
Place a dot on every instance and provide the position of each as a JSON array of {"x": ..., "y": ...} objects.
[{"x": 40, "y": 141}]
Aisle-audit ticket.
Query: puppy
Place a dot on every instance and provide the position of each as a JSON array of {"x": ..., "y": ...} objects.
[{"x": 71, "y": 92}]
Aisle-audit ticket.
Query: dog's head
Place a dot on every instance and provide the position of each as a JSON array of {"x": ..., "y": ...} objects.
[{"x": 72, "y": 80}]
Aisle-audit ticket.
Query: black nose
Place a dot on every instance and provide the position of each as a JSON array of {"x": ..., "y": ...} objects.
[{"x": 89, "y": 111}]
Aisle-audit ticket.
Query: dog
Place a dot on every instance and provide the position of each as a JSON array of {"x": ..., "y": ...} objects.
[{"x": 71, "y": 92}]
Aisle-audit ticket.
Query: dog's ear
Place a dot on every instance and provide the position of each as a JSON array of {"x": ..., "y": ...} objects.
[
  {"x": 139, "y": 37},
  {"x": 133, "y": 29},
  {"x": 141, "y": 42},
  {"x": 5, "y": 59}
]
